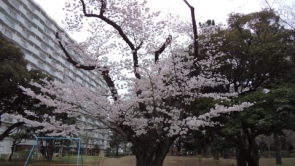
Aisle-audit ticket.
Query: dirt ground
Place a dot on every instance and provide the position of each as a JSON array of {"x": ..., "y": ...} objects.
[
  {"x": 192, "y": 161},
  {"x": 169, "y": 161}
]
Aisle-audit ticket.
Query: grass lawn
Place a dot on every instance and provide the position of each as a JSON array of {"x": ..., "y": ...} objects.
[
  {"x": 130, "y": 161},
  {"x": 58, "y": 161}
]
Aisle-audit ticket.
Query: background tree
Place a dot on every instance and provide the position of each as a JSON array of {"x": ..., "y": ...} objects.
[
  {"x": 13, "y": 73},
  {"x": 283, "y": 8},
  {"x": 222, "y": 146},
  {"x": 115, "y": 141},
  {"x": 163, "y": 83},
  {"x": 198, "y": 143},
  {"x": 259, "y": 53},
  {"x": 19, "y": 136}
]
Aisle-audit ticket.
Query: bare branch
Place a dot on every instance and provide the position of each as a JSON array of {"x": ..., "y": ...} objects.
[
  {"x": 108, "y": 21},
  {"x": 162, "y": 48},
  {"x": 70, "y": 59},
  {"x": 139, "y": 46},
  {"x": 104, "y": 70},
  {"x": 9, "y": 129},
  {"x": 287, "y": 22},
  {"x": 103, "y": 6},
  {"x": 196, "y": 42},
  {"x": 120, "y": 31},
  {"x": 110, "y": 83}
]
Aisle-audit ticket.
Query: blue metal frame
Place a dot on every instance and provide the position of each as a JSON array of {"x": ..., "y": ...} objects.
[{"x": 58, "y": 138}]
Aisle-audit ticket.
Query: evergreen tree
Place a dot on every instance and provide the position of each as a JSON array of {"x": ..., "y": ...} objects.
[
  {"x": 259, "y": 53},
  {"x": 13, "y": 74}
]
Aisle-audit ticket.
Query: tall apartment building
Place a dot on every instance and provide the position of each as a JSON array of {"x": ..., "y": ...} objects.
[{"x": 29, "y": 27}]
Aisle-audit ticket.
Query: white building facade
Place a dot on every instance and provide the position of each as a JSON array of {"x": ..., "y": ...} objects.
[{"x": 30, "y": 28}]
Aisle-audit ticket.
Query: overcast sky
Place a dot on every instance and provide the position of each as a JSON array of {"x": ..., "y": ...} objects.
[{"x": 205, "y": 9}]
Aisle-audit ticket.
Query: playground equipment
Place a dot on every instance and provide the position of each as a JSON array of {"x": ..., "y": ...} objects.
[{"x": 43, "y": 152}]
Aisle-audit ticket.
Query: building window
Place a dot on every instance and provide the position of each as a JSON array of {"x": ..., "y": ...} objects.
[
  {"x": 10, "y": 21},
  {"x": 52, "y": 70},
  {"x": 55, "y": 53},
  {"x": 14, "y": 3},
  {"x": 41, "y": 64},
  {"x": 47, "y": 22},
  {"x": 67, "y": 63},
  {"x": 53, "y": 62},
  {"x": 8, "y": 33},
  {"x": 28, "y": 25},
  {"x": 12, "y": 12},
  {"x": 24, "y": 43},
  {"x": 44, "y": 47},
  {"x": 47, "y": 31},
  {"x": 30, "y": 16},
  {"x": 26, "y": 33},
  {"x": 66, "y": 71},
  {"x": 57, "y": 47},
  {"x": 45, "y": 39},
  {"x": 31, "y": 7},
  {"x": 43, "y": 56}
]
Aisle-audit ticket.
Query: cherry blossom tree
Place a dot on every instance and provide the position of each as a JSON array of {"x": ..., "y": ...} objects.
[{"x": 154, "y": 59}]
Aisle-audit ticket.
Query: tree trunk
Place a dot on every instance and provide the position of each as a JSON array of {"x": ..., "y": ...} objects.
[
  {"x": 215, "y": 156},
  {"x": 171, "y": 150},
  {"x": 268, "y": 148},
  {"x": 247, "y": 154},
  {"x": 150, "y": 153},
  {"x": 12, "y": 151},
  {"x": 226, "y": 154},
  {"x": 117, "y": 149},
  {"x": 241, "y": 157},
  {"x": 48, "y": 150},
  {"x": 277, "y": 148},
  {"x": 207, "y": 151},
  {"x": 125, "y": 148},
  {"x": 87, "y": 149},
  {"x": 178, "y": 146},
  {"x": 252, "y": 153},
  {"x": 61, "y": 151},
  {"x": 241, "y": 150}
]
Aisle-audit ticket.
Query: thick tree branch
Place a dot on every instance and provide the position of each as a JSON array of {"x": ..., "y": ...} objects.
[
  {"x": 9, "y": 129},
  {"x": 162, "y": 48},
  {"x": 129, "y": 43},
  {"x": 104, "y": 70},
  {"x": 139, "y": 46},
  {"x": 103, "y": 6},
  {"x": 120, "y": 31},
  {"x": 196, "y": 42},
  {"x": 108, "y": 21},
  {"x": 70, "y": 59}
]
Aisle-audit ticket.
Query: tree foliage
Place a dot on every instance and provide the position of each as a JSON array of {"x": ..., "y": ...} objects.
[
  {"x": 259, "y": 52},
  {"x": 13, "y": 73},
  {"x": 13, "y": 101},
  {"x": 19, "y": 136}
]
